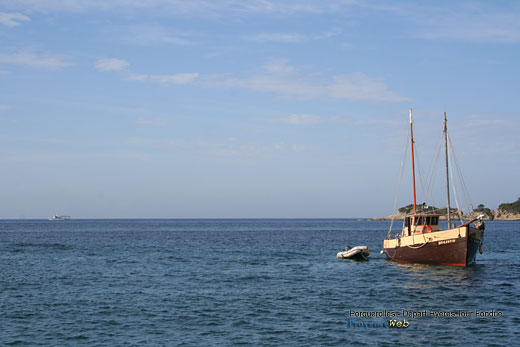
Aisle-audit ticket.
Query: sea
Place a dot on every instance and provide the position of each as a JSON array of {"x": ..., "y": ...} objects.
[{"x": 260, "y": 282}]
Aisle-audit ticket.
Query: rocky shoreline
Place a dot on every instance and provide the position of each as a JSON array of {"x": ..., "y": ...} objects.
[{"x": 504, "y": 212}]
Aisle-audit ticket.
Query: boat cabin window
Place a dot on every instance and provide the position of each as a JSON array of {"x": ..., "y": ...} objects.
[{"x": 426, "y": 220}]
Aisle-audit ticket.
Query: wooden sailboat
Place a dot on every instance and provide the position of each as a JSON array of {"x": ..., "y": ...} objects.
[{"x": 422, "y": 241}]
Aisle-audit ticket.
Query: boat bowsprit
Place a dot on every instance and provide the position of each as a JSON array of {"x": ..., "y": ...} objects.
[{"x": 358, "y": 252}]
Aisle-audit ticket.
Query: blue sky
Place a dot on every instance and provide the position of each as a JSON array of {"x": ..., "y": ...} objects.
[{"x": 181, "y": 109}]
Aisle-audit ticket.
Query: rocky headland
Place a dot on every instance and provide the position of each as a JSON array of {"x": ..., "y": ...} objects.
[{"x": 505, "y": 211}]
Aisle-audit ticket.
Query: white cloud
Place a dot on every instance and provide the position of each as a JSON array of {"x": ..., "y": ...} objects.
[
  {"x": 357, "y": 86},
  {"x": 111, "y": 64},
  {"x": 279, "y": 66},
  {"x": 182, "y": 7},
  {"x": 481, "y": 22},
  {"x": 34, "y": 59},
  {"x": 231, "y": 148},
  {"x": 488, "y": 122},
  {"x": 180, "y": 78},
  {"x": 157, "y": 143},
  {"x": 301, "y": 119},
  {"x": 137, "y": 77},
  {"x": 289, "y": 7},
  {"x": 155, "y": 121},
  {"x": 250, "y": 149},
  {"x": 277, "y": 37},
  {"x": 267, "y": 83},
  {"x": 295, "y": 119},
  {"x": 291, "y": 37},
  {"x": 498, "y": 28},
  {"x": 152, "y": 35},
  {"x": 280, "y": 78},
  {"x": 462, "y": 21},
  {"x": 12, "y": 19}
]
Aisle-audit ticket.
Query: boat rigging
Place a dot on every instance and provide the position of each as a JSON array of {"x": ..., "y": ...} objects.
[{"x": 422, "y": 241}]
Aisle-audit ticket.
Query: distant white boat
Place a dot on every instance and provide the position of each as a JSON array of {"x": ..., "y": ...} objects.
[{"x": 56, "y": 217}]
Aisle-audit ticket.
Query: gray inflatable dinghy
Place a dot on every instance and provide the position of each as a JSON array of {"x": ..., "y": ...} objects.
[{"x": 358, "y": 252}]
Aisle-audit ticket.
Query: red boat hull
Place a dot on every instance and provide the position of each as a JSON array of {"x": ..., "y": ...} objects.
[{"x": 460, "y": 251}]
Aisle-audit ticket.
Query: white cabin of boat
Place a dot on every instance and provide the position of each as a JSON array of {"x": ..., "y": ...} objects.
[{"x": 420, "y": 223}]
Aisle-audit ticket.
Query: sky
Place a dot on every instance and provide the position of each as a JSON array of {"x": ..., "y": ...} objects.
[{"x": 253, "y": 109}]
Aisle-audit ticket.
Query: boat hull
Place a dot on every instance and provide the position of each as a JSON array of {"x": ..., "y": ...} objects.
[{"x": 457, "y": 247}]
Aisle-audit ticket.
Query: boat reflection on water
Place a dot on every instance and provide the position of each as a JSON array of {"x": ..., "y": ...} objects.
[{"x": 422, "y": 276}]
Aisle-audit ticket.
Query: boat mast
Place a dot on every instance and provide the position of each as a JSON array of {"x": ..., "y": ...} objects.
[
  {"x": 447, "y": 172},
  {"x": 413, "y": 165}
]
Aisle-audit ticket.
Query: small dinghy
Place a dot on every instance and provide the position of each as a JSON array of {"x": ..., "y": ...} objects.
[{"x": 358, "y": 253}]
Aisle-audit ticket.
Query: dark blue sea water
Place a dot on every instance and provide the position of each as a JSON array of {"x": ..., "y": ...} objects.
[{"x": 259, "y": 282}]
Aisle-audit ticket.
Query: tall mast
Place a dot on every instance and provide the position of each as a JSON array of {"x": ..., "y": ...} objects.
[
  {"x": 413, "y": 165},
  {"x": 447, "y": 172}
]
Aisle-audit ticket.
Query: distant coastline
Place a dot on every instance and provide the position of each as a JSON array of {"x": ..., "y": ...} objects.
[{"x": 505, "y": 211}]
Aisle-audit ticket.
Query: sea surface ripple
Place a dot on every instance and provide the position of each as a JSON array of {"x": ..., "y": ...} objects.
[{"x": 223, "y": 282}]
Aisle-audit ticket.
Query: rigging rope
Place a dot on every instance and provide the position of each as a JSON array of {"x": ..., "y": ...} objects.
[
  {"x": 400, "y": 181},
  {"x": 421, "y": 176},
  {"x": 421, "y": 246},
  {"x": 428, "y": 188},
  {"x": 435, "y": 165},
  {"x": 456, "y": 198},
  {"x": 465, "y": 190}
]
